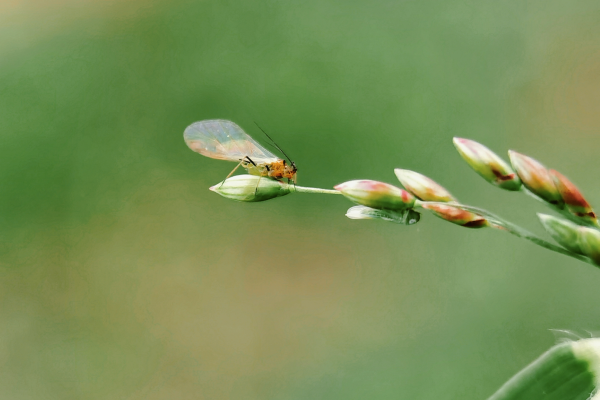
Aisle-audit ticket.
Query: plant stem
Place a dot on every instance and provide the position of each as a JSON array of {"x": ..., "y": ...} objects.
[
  {"x": 514, "y": 229},
  {"x": 302, "y": 189},
  {"x": 496, "y": 221}
]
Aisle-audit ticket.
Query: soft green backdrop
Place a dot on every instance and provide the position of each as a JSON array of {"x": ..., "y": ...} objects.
[{"x": 123, "y": 277}]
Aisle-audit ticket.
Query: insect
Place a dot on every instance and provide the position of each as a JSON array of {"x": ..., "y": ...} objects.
[{"x": 225, "y": 140}]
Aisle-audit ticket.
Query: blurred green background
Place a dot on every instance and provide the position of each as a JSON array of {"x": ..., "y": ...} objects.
[{"x": 123, "y": 277}]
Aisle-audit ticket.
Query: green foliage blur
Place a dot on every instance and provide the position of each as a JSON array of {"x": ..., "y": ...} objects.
[{"x": 123, "y": 277}]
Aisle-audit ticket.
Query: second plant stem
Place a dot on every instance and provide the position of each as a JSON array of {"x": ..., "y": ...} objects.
[
  {"x": 496, "y": 222},
  {"x": 502, "y": 224}
]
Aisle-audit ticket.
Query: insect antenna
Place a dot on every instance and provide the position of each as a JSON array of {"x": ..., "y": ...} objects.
[
  {"x": 271, "y": 146},
  {"x": 275, "y": 144}
]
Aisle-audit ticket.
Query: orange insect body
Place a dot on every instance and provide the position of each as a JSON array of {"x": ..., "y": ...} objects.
[
  {"x": 279, "y": 169},
  {"x": 224, "y": 140}
]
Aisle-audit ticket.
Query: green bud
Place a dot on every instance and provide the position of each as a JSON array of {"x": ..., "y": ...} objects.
[
  {"x": 487, "y": 164},
  {"x": 566, "y": 371},
  {"x": 251, "y": 188},
  {"x": 574, "y": 200},
  {"x": 457, "y": 215},
  {"x": 404, "y": 217},
  {"x": 564, "y": 232},
  {"x": 376, "y": 194},
  {"x": 589, "y": 243},
  {"x": 536, "y": 178},
  {"x": 422, "y": 187}
]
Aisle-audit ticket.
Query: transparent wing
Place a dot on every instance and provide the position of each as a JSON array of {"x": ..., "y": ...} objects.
[{"x": 225, "y": 140}]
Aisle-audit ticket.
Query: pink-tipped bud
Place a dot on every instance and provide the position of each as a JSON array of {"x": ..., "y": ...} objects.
[
  {"x": 251, "y": 188},
  {"x": 574, "y": 200},
  {"x": 487, "y": 164},
  {"x": 536, "y": 178},
  {"x": 457, "y": 215},
  {"x": 422, "y": 187},
  {"x": 589, "y": 242},
  {"x": 376, "y": 195}
]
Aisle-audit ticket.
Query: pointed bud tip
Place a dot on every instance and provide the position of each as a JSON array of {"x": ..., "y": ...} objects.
[
  {"x": 516, "y": 157},
  {"x": 544, "y": 217},
  {"x": 458, "y": 140}
]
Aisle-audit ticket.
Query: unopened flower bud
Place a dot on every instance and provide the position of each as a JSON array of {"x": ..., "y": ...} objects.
[
  {"x": 422, "y": 187},
  {"x": 589, "y": 242},
  {"x": 564, "y": 232},
  {"x": 376, "y": 194},
  {"x": 457, "y": 215},
  {"x": 536, "y": 178},
  {"x": 251, "y": 188},
  {"x": 487, "y": 164},
  {"x": 567, "y": 371},
  {"x": 405, "y": 217},
  {"x": 574, "y": 200}
]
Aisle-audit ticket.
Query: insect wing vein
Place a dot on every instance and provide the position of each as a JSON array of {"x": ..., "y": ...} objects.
[{"x": 225, "y": 140}]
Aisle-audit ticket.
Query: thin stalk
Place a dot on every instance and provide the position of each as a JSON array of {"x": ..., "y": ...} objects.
[
  {"x": 496, "y": 222},
  {"x": 302, "y": 189},
  {"x": 511, "y": 228}
]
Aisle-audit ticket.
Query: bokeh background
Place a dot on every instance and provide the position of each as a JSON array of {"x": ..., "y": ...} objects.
[{"x": 123, "y": 277}]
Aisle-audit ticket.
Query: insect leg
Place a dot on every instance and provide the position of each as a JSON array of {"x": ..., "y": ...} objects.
[
  {"x": 249, "y": 159},
  {"x": 231, "y": 173},
  {"x": 256, "y": 188}
]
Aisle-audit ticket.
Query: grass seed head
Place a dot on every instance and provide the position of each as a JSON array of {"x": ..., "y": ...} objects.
[
  {"x": 536, "y": 178},
  {"x": 251, "y": 188},
  {"x": 573, "y": 198},
  {"x": 458, "y": 216},
  {"x": 376, "y": 194},
  {"x": 589, "y": 242},
  {"x": 405, "y": 217},
  {"x": 564, "y": 232},
  {"x": 487, "y": 164},
  {"x": 422, "y": 187}
]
